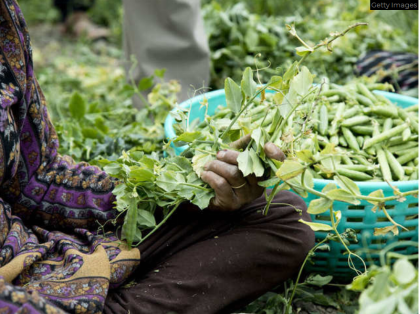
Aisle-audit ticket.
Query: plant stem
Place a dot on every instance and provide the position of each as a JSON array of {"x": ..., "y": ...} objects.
[
  {"x": 243, "y": 109},
  {"x": 300, "y": 272},
  {"x": 160, "y": 224},
  {"x": 330, "y": 40}
]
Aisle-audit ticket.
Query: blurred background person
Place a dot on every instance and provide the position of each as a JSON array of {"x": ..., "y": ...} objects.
[
  {"x": 75, "y": 20},
  {"x": 170, "y": 35}
]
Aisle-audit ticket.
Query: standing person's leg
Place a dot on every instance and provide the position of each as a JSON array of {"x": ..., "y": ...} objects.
[
  {"x": 209, "y": 262},
  {"x": 167, "y": 34}
]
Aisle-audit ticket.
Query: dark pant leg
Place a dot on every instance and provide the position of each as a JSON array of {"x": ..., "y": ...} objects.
[{"x": 210, "y": 262}]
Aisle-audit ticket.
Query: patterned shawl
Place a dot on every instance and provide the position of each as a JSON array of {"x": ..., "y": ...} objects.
[{"x": 51, "y": 260}]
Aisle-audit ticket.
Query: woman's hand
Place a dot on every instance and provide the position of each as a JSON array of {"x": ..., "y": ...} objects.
[{"x": 232, "y": 189}]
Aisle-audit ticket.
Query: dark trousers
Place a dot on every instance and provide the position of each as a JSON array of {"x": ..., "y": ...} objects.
[
  {"x": 208, "y": 262},
  {"x": 66, "y": 7}
]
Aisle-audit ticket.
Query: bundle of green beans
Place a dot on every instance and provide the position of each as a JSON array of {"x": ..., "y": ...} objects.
[{"x": 378, "y": 138}]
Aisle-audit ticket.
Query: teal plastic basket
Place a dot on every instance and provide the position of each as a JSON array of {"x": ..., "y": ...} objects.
[{"x": 360, "y": 218}]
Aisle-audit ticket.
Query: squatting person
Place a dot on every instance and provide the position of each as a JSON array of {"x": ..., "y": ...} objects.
[{"x": 53, "y": 261}]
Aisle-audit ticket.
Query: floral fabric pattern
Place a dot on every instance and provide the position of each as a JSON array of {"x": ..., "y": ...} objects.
[{"x": 51, "y": 258}]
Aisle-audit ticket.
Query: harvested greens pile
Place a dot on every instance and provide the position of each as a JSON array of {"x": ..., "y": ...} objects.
[{"x": 294, "y": 115}]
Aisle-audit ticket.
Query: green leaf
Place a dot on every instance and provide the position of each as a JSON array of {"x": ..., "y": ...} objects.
[
  {"x": 302, "y": 51},
  {"x": 347, "y": 184},
  {"x": 202, "y": 198},
  {"x": 289, "y": 169},
  {"x": 404, "y": 271},
  {"x": 377, "y": 193},
  {"x": 251, "y": 39},
  {"x": 160, "y": 73},
  {"x": 145, "y": 219},
  {"x": 359, "y": 283},
  {"x": 257, "y": 166},
  {"x": 319, "y": 206},
  {"x": 276, "y": 82},
  {"x": 291, "y": 72},
  {"x": 315, "y": 226},
  {"x": 141, "y": 175},
  {"x": 343, "y": 196},
  {"x": 248, "y": 85},
  {"x": 113, "y": 169},
  {"x": 289, "y": 101},
  {"x": 77, "y": 106},
  {"x": 233, "y": 95},
  {"x": 302, "y": 82},
  {"x": 329, "y": 187},
  {"x": 270, "y": 182},
  {"x": 188, "y": 137},
  {"x": 245, "y": 163},
  {"x": 318, "y": 280},
  {"x": 199, "y": 161},
  {"x": 145, "y": 83},
  {"x": 169, "y": 180},
  {"x": 305, "y": 155}
]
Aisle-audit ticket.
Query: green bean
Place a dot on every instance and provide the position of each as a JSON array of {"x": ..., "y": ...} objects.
[
  {"x": 337, "y": 118},
  {"x": 387, "y": 125},
  {"x": 380, "y": 86},
  {"x": 346, "y": 159},
  {"x": 357, "y": 120},
  {"x": 409, "y": 170},
  {"x": 385, "y": 111},
  {"x": 408, "y": 157},
  {"x": 323, "y": 139},
  {"x": 412, "y": 108},
  {"x": 383, "y": 163},
  {"x": 362, "y": 160},
  {"x": 360, "y": 140},
  {"x": 394, "y": 165},
  {"x": 350, "y": 139},
  {"x": 385, "y": 135},
  {"x": 335, "y": 92},
  {"x": 366, "y": 92},
  {"x": 255, "y": 110},
  {"x": 323, "y": 124},
  {"x": 363, "y": 168},
  {"x": 351, "y": 112},
  {"x": 406, "y": 134},
  {"x": 416, "y": 161},
  {"x": 333, "y": 99},
  {"x": 371, "y": 151},
  {"x": 406, "y": 151},
  {"x": 363, "y": 130},
  {"x": 410, "y": 164},
  {"x": 342, "y": 141},
  {"x": 397, "y": 140},
  {"x": 334, "y": 140},
  {"x": 257, "y": 116},
  {"x": 315, "y": 118},
  {"x": 384, "y": 99},
  {"x": 414, "y": 175},
  {"x": 407, "y": 117},
  {"x": 401, "y": 147},
  {"x": 354, "y": 175},
  {"x": 363, "y": 100}
]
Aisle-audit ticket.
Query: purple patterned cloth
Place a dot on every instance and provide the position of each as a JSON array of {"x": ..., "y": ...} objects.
[{"x": 51, "y": 260}]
